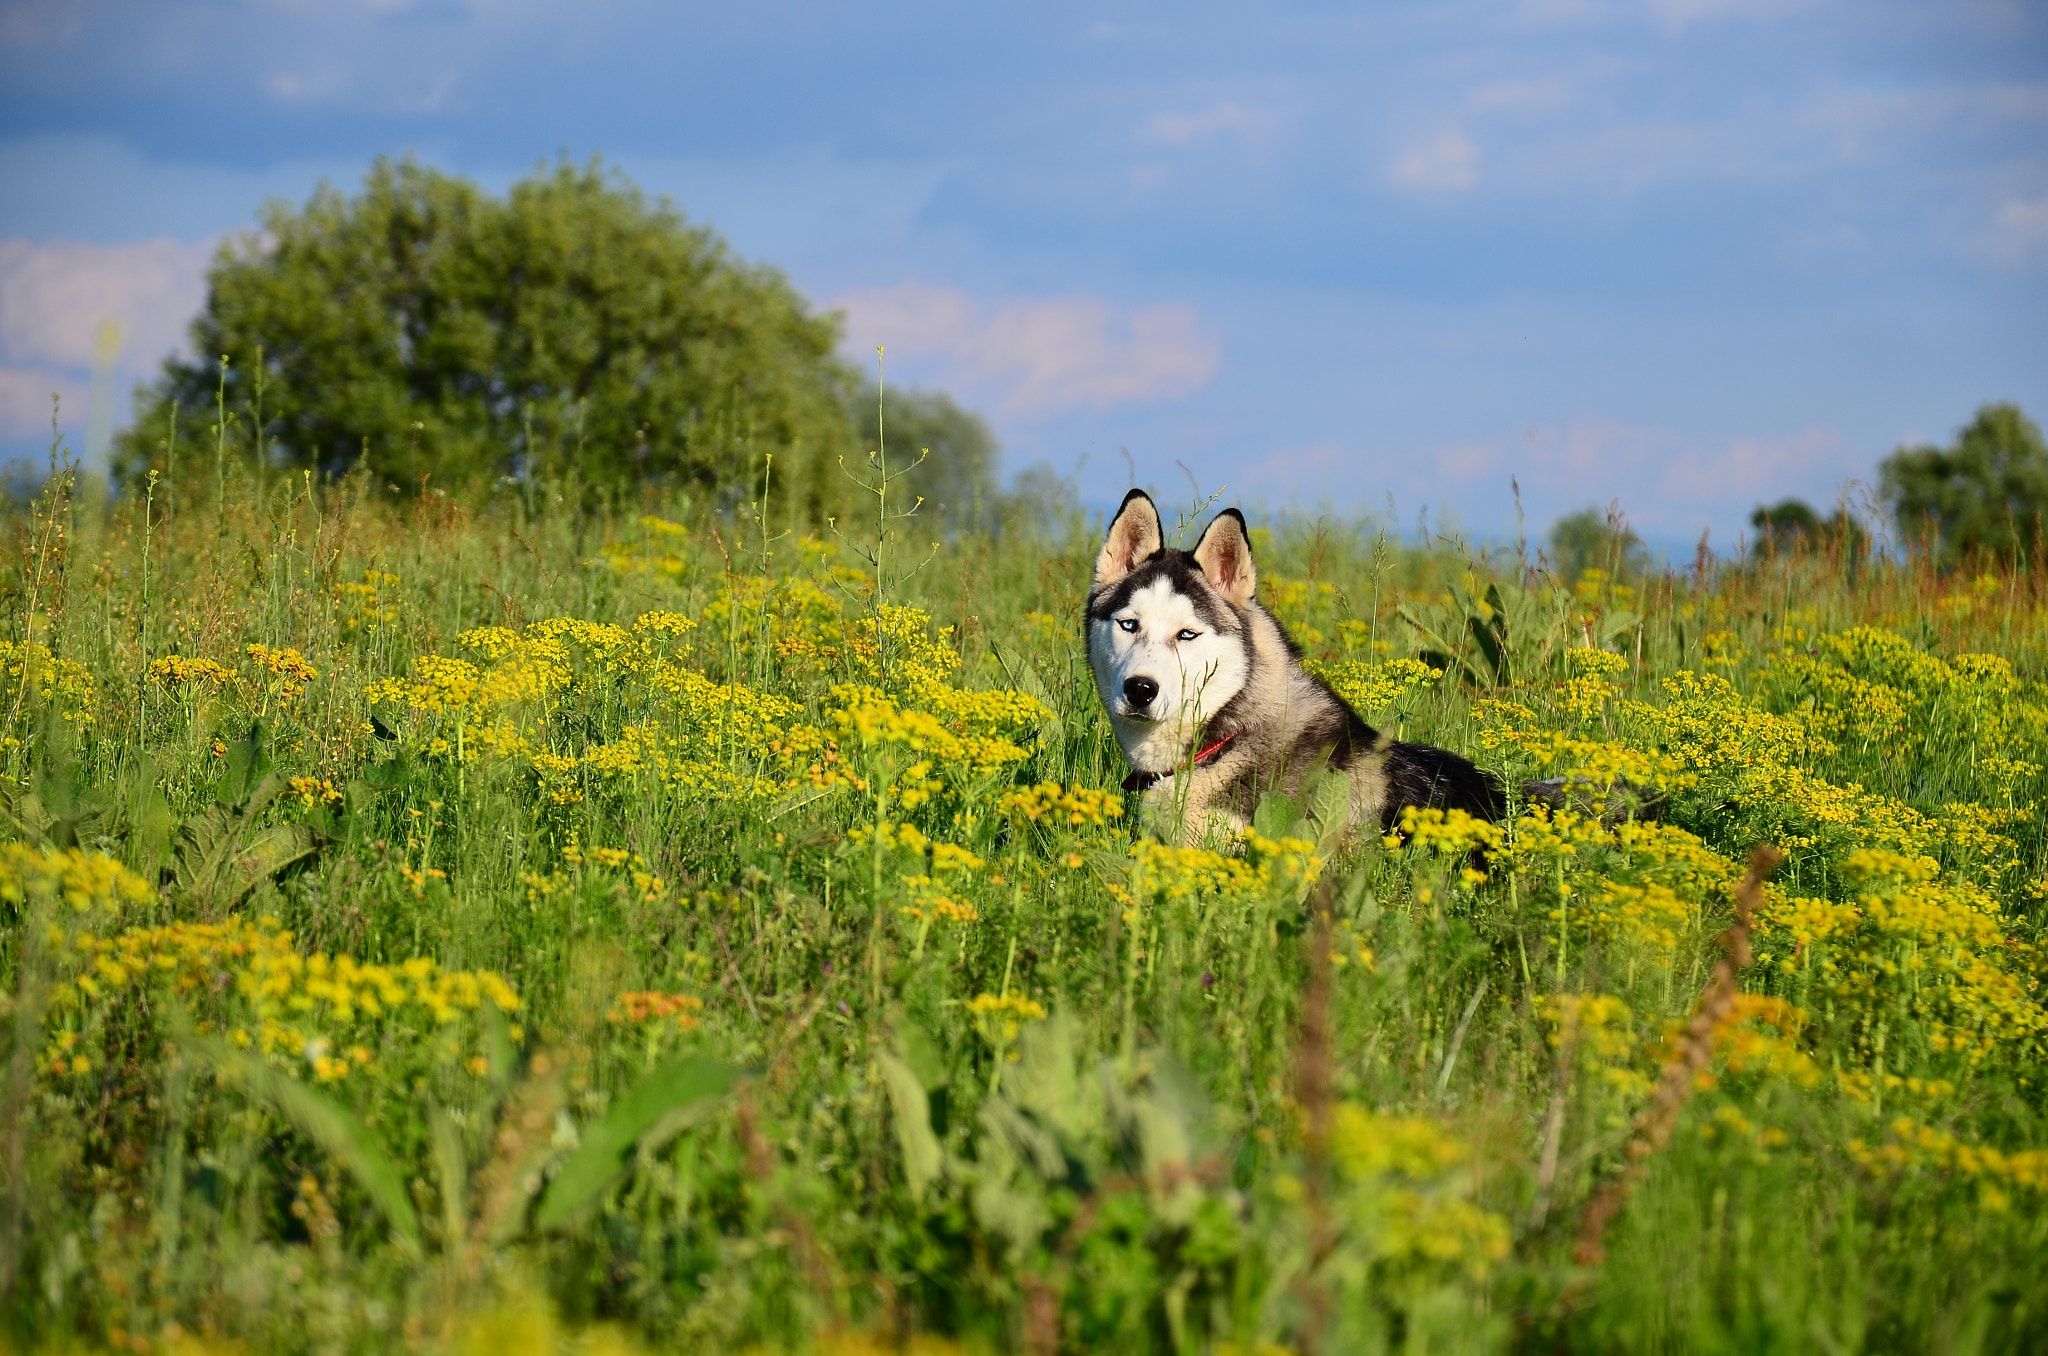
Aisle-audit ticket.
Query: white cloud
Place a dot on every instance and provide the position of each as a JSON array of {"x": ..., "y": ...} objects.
[
  {"x": 1753, "y": 468},
  {"x": 1526, "y": 97},
  {"x": 291, "y": 87},
  {"x": 1179, "y": 129},
  {"x": 2020, "y": 230},
  {"x": 1038, "y": 355},
  {"x": 1446, "y": 163},
  {"x": 55, "y": 295},
  {"x": 1469, "y": 461}
]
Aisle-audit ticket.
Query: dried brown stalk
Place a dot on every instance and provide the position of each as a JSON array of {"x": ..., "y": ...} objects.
[
  {"x": 1314, "y": 1092},
  {"x": 1553, "y": 1114},
  {"x": 1695, "y": 1049}
]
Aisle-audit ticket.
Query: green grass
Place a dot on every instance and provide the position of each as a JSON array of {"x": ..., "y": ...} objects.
[{"x": 1159, "y": 1130}]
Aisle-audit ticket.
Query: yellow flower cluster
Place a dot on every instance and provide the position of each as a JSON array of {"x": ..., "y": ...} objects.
[
  {"x": 92, "y": 888},
  {"x": 287, "y": 666},
  {"x": 1292, "y": 863},
  {"x": 1365, "y": 1144},
  {"x": 1762, "y": 1036},
  {"x": 1370, "y": 689},
  {"x": 1655, "y": 878},
  {"x": 646, "y": 751},
  {"x": 1437, "y": 830},
  {"x": 547, "y": 661},
  {"x": 1942, "y": 948},
  {"x": 271, "y": 998},
  {"x": 652, "y": 554},
  {"x": 651, "y": 1006},
  {"x": 1077, "y": 807},
  {"x": 64, "y": 683},
  {"x": 1711, "y": 727},
  {"x": 1404, "y": 1197},
  {"x": 1728, "y": 1125},
  {"x": 869, "y": 717},
  {"x": 943, "y": 857},
  {"x": 798, "y": 620},
  {"x": 1179, "y": 873},
  {"x": 1602, "y": 1028},
  {"x": 1651, "y": 914},
  {"x": 929, "y": 904},
  {"x": 1913, "y": 1147},
  {"x": 999, "y": 1017},
  {"x": 368, "y": 604},
  {"x": 312, "y": 791},
  {"x": 896, "y": 646},
  {"x": 176, "y": 670},
  {"x": 631, "y": 873},
  {"x": 1593, "y": 673}
]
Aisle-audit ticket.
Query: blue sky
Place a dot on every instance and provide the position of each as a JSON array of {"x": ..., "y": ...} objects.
[{"x": 1687, "y": 254}]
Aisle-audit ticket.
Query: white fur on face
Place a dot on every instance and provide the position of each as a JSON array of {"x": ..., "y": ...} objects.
[{"x": 1195, "y": 676}]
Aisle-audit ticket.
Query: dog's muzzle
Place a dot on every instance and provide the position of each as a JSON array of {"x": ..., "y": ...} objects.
[{"x": 1140, "y": 693}]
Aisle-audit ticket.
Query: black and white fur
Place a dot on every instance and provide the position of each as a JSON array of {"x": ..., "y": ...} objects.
[{"x": 1209, "y": 699}]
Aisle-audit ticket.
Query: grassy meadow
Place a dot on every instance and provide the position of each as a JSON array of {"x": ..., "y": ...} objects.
[{"x": 546, "y": 923}]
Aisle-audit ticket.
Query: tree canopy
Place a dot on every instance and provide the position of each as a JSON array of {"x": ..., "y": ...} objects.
[
  {"x": 1595, "y": 538},
  {"x": 1793, "y": 525},
  {"x": 431, "y": 329},
  {"x": 1986, "y": 491}
]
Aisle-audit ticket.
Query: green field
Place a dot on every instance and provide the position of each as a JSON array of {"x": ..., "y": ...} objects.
[{"x": 543, "y": 923}]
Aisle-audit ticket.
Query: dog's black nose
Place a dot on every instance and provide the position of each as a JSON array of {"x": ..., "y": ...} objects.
[{"x": 1139, "y": 692}]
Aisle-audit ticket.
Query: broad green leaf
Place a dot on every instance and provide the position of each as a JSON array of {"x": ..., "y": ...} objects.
[
  {"x": 922, "y": 1054},
  {"x": 1275, "y": 816},
  {"x": 1618, "y": 623},
  {"x": 328, "y": 1124},
  {"x": 601, "y": 1158},
  {"x": 1329, "y": 805},
  {"x": 922, "y": 1158},
  {"x": 452, "y": 1166}
]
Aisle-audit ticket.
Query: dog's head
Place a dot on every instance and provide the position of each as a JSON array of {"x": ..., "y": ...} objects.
[{"x": 1168, "y": 629}]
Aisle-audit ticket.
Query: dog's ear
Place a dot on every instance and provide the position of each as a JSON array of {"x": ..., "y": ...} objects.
[
  {"x": 1134, "y": 537},
  {"x": 1225, "y": 555}
]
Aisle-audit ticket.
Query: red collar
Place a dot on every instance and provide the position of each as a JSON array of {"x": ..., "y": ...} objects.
[{"x": 1145, "y": 781}]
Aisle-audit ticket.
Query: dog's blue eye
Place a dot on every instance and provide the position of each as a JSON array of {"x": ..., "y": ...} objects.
[
  {"x": 1128, "y": 623},
  {"x": 1188, "y": 635}
]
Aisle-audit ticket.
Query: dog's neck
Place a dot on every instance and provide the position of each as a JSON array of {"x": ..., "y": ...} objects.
[
  {"x": 1206, "y": 756},
  {"x": 1155, "y": 747}
]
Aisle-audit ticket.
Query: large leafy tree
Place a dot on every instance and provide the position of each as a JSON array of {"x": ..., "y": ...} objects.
[
  {"x": 1986, "y": 491},
  {"x": 430, "y": 329},
  {"x": 1595, "y": 538},
  {"x": 1793, "y": 525}
]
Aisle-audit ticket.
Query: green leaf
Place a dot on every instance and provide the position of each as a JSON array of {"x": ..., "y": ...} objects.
[
  {"x": 247, "y": 763},
  {"x": 922, "y": 1054},
  {"x": 1484, "y": 632},
  {"x": 453, "y": 1169},
  {"x": 1429, "y": 632},
  {"x": 922, "y": 1158},
  {"x": 601, "y": 1158},
  {"x": 1275, "y": 816},
  {"x": 219, "y": 859},
  {"x": 328, "y": 1124},
  {"x": 1618, "y": 623},
  {"x": 1329, "y": 806}
]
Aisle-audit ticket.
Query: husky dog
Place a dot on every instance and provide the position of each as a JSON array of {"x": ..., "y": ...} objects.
[{"x": 1209, "y": 699}]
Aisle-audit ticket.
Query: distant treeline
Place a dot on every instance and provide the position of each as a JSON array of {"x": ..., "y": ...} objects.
[{"x": 438, "y": 336}]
